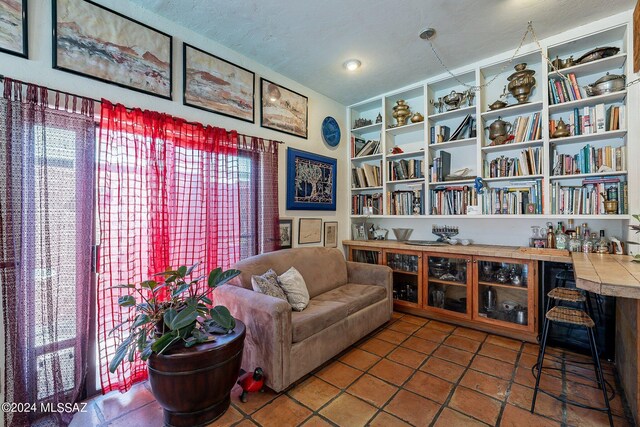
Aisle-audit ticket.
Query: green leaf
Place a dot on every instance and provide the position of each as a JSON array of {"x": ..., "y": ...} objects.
[
  {"x": 190, "y": 270},
  {"x": 169, "y": 315},
  {"x": 206, "y": 300},
  {"x": 179, "y": 289},
  {"x": 218, "y": 277},
  {"x": 149, "y": 284},
  {"x": 184, "y": 318},
  {"x": 119, "y": 355},
  {"x": 222, "y": 317},
  {"x": 164, "y": 342},
  {"x": 132, "y": 353},
  {"x": 126, "y": 301},
  {"x": 127, "y": 286},
  {"x": 213, "y": 276},
  {"x": 182, "y": 271},
  {"x": 141, "y": 319},
  {"x": 144, "y": 355}
]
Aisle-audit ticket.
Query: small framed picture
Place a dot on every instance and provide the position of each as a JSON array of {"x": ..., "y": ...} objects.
[
  {"x": 331, "y": 234},
  {"x": 309, "y": 230},
  {"x": 286, "y": 233},
  {"x": 359, "y": 231}
]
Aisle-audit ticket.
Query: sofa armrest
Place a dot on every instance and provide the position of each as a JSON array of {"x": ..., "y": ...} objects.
[
  {"x": 372, "y": 274},
  {"x": 268, "y": 323}
]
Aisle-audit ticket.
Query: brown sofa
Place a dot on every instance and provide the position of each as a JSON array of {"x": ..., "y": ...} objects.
[{"x": 348, "y": 301}]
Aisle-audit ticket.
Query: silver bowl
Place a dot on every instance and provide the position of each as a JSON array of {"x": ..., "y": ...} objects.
[{"x": 402, "y": 234}]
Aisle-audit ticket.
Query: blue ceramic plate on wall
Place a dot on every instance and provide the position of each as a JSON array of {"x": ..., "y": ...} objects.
[{"x": 331, "y": 131}]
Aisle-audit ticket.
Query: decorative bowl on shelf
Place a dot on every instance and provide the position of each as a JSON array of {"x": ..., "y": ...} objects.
[{"x": 402, "y": 234}]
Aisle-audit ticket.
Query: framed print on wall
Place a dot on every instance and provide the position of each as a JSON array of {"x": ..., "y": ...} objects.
[
  {"x": 216, "y": 85},
  {"x": 282, "y": 109},
  {"x": 309, "y": 230},
  {"x": 14, "y": 28},
  {"x": 286, "y": 233},
  {"x": 311, "y": 181},
  {"x": 93, "y": 41},
  {"x": 331, "y": 234}
]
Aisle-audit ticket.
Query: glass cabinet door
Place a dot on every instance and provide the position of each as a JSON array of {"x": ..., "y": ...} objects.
[
  {"x": 448, "y": 287},
  {"x": 503, "y": 292},
  {"x": 407, "y": 269},
  {"x": 368, "y": 256}
]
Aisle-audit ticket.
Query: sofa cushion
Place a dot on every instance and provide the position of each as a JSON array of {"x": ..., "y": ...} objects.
[
  {"x": 293, "y": 285},
  {"x": 268, "y": 284},
  {"x": 356, "y": 297},
  {"x": 317, "y": 316}
]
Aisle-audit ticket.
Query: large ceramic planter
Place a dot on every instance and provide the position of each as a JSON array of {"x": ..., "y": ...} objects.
[{"x": 193, "y": 385}]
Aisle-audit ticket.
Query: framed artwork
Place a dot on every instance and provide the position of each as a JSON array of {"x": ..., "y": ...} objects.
[
  {"x": 311, "y": 181},
  {"x": 216, "y": 85},
  {"x": 93, "y": 41},
  {"x": 282, "y": 109},
  {"x": 309, "y": 230},
  {"x": 286, "y": 233},
  {"x": 331, "y": 234},
  {"x": 14, "y": 30}
]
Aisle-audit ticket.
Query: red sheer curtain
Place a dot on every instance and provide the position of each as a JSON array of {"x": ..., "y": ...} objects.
[{"x": 169, "y": 194}]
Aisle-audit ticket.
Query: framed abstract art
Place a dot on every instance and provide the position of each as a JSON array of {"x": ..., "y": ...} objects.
[
  {"x": 93, "y": 41},
  {"x": 282, "y": 109},
  {"x": 311, "y": 181},
  {"x": 13, "y": 27}
]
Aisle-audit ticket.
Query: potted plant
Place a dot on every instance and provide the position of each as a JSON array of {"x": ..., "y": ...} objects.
[{"x": 193, "y": 350}]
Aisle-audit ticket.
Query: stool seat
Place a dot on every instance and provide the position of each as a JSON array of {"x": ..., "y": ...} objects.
[
  {"x": 565, "y": 275},
  {"x": 570, "y": 315},
  {"x": 567, "y": 294}
]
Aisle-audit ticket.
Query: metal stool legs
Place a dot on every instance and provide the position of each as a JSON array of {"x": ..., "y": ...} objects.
[
  {"x": 600, "y": 375},
  {"x": 543, "y": 348}
]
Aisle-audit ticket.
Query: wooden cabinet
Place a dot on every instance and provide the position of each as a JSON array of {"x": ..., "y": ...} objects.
[
  {"x": 448, "y": 284},
  {"x": 365, "y": 254},
  {"x": 407, "y": 276}
]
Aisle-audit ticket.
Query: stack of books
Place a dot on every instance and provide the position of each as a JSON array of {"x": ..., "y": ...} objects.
[
  {"x": 562, "y": 91},
  {"x": 360, "y": 201},
  {"x": 360, "y": 147},
  {"x": 589, "y": 160},
  {"x": 527, "y": 128},
  {"x": 587, "y": 199},
  {"x": 452, "y": 200},
  {"x": 529, "y": 162},
  {"x": 405, "y": 169},
  {"x": 517, "y": 198},
  {"x": 401, "y": 202},
  {"x": 366, "y": 176},
  {"x": 441, "y": 167},
  {"x": 596, "y": 119},
  {"x": 440, "y": 133}
]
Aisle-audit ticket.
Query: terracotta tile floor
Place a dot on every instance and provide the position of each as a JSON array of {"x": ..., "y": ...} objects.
[{"x": 410, "y": 372}]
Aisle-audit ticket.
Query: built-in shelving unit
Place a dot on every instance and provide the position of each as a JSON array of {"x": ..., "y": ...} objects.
[{"x": 469, "y": 153}]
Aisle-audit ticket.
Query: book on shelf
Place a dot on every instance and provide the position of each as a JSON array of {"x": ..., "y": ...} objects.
[
  {"x": 361, "y": 201},
  {"x": 369, "y": 147},
  {"x": 463, "y": 128},
  {"x": 527, "y": 128},
  {"x": 452, "y": 200},
  {"x": 587, "y": 199},
  {"x": 405, "y": 169},
  {"x": 366, "y": 176},
  {"x": 561, "y": 90},
  {"x": 439, "y": 133},
  {"x": 401, "y": 202},
  {"x": 590, "y": 160},
  {"x": 356, "y": 145},
  {"x": 528, "y": 162},
  {"x": 441, "y": 167},
  {"x": 591, "y": 120},
  {"x": 516, "y": 198}
]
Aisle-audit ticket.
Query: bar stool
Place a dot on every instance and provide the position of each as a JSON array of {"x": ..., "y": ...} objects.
[
  {"x": 566, "y": 276},
  {"x": 571, "y": 316}
]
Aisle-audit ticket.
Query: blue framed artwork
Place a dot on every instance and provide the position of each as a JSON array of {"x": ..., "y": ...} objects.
[{"x": 311, "y": 181}]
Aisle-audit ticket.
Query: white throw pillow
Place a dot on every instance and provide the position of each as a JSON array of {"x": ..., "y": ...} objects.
[
  {"x": 268, "y": 284},
  {"x": 295, "y": 288}
]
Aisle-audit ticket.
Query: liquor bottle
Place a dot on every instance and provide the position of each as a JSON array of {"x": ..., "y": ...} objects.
[
  {"x": 561, "y": 238},
  {"x": 570, "y": 228},
  {"x": 602, "y": 247},
  {"x": 574, "y": 243},
  {"x": 588, "y": 242},
  {"x": 551, "y": 238}
]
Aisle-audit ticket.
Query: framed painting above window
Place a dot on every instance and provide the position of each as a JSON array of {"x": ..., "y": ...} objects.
[
  {"x": 93, "y": 41},
  {"x": 311, "y": 181},
  {"x": 282, "y": 109},
  {"x": 14, "y": 28},
  {"x": 216, "y": 85}
]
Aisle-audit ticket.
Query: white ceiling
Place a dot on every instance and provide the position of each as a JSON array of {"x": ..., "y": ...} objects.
[{"x": 308, "y": 41}]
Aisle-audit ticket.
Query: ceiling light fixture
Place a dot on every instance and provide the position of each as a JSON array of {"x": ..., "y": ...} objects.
[
  {"x": 352, "y": 64},
  {"x": 428, "y": 34}
]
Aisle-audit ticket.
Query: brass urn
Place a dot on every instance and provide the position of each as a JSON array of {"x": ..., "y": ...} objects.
[
  {"x": 521, "y": 82},
  {"x": 401, "y": 112},
  {"x": 417, "y": 118}
]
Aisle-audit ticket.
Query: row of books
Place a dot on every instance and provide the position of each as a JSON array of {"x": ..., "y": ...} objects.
[
  {"x": 405, "y": 169},
  {"x": 441, "y": 167},
  {"x": 529, "y": 162},
  {"x": 361, "y": 201},
  {"x": 588, "y": 198},
  {"x": 527, "y": 128},
  {"x": 596, "y": 119},
  {"x": 452, "y": 200},
  {"x": 562, "y": 91},
  {"x": 441, "y": 133},
  {"x": 401, "y": 202},
  {"x": 589, "y": 160},
  {"x": 366, "y": 176},
  {"x": 522, "y": 197},
  {"x": 360, "y": 147}
]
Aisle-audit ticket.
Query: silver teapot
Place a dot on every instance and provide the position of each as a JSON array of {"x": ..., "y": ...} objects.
[{"x": 454, "y": 100}]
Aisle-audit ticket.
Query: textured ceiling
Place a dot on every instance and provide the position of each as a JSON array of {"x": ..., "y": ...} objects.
[{"x": 308, "y": 41}]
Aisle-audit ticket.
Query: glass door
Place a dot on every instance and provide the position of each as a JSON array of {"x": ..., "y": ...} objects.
[
  {"x": 505, "y": 293},
  {"x": 407, "y": 276},
  {"x": 448, "y": 285},
  {"x": 365, "y": 255}
]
